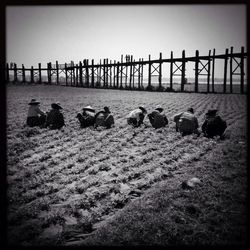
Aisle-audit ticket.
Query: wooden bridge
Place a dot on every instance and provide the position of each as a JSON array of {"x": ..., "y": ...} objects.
[{"x": 130, "y": 74}]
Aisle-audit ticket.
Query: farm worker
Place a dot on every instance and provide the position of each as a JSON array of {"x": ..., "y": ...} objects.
[
  {"x": 186, "y": 122},
  {"x": 157, "y": 118},
  {"x": 87, "y": 118},
  {"x": 104, "y": 118},
  {"x": 213, "y": 124},
  {"x": 36, "y": 117},
  {"x": 136, "y": 116},
  {"x": 55, "y": 118}
]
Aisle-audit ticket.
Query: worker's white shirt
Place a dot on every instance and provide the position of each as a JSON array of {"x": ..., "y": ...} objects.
[
  {"x": 34, "y": 111},
  {"x": 135, "y": 114}
]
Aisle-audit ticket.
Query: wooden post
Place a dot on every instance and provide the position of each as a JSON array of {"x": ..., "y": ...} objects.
[
  {"x": 86, "y": 62},
  {"x": 66, "y": 74},
  {"x": 74, "y": 74},
  {"x": 131, "y": 72},
  {"x": 117, "y": 78},
  {"x": 213, "y": 64},
  {"x": 183, "y": 69},
  {"x": 126, "y": 76},
  {"x": 71, "y": 75},
  {"x": 160, "y": 72},
  {"x": 242, "y": 71},
  {"x": 208, "y": 72},
  {"x": 32, "y": 75},
  {"x": 104, "y": 73},
  {"x": 93, "y": 73},
  {"x": 23, "y": 73},
  {"x": 142, "y": 73},
  {"x": 133, "y": 76},
  {"x": 114, "y": 75},
  {"x": 84, "y": 76},
  {"x": 70, "y": 70},
  {"x": 110, "y": 77},
  {"x": 171, "y": 71},
  {"x": 139, "y": 74},
  {"x": 15, "y": 73},
  {"x": 121, "y": 72},
  {"x": 231, "y": 70},
  {"x": 83, "y": 63},
  {"x": 225, "y": 72},
  {"x": 107, "y": 73},
  {"x": 48, "y": 73},
  {"x": 57, "y": 73},
  {"x": 196, "y": 83},
  {"x": 40, "y": 72},
  {"x": 80, "y": 73},
  {"x": 7, "y": 73},
  {"x": 100, "y": 73},
  {"x": 149, "y": 72}
]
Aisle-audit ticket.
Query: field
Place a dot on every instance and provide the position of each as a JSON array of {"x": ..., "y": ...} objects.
[{"x": 122, "y": 186}]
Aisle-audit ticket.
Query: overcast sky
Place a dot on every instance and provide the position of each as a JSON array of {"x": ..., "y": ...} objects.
[{"x": 48, "y": 33}]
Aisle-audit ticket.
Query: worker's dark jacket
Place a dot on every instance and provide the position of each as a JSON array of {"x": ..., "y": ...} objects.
[
  {"x": 213, "y": 125},
  {"x": 186, "y": 123},
  {"x": 55, "y": 119},
  {"x": 86, "y": 119},
  {"x": 157, "y": 119},
  {"x": 103, "y": 119}
]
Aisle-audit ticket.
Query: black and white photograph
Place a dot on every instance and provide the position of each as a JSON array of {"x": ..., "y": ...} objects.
[{"x": 126, "y": 125}]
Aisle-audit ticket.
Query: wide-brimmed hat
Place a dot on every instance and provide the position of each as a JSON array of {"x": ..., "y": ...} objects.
[
  {"x": 106, "y": 109},
  {"x": 211, "y": 112},
  {"x": 159, "y": 108},
  {"x": 88, "y": 108},
  {"x": 143, "y": 109},
  {"x": 33, "y": 102},
  {"x": 190, "y": 110},
  {"x": 56, "y": 105}
]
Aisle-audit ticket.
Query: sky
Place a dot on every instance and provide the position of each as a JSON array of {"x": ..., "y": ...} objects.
[{"x": 42, "y": 34}]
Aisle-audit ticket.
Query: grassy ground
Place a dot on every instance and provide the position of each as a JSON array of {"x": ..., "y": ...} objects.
[{"x": 123, "y": 185}]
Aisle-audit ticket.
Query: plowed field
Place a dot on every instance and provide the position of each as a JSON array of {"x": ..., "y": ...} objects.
[{"x": 61, "y": 183}]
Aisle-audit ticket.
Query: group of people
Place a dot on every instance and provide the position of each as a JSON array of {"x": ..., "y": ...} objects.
[
  {"x": 90, "y": 118},
  {"x": 54, "y": 118},
  {"x": 186, "y": 122},
  {"x": 36, "y": 117}
]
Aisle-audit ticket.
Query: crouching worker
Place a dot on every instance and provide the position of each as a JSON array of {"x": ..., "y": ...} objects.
[
  {"x": 104, "y": 118},
  {"x": 213, "y": 124},
  {"x": 136, "y": 117},
  {"x": 36, "y": 117},
  {"x": 87, "y": 118},
  {"x": 157, "y": 118},
  {"x": 55, "y": 119},
  {"x": 186, "y": 122}
]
